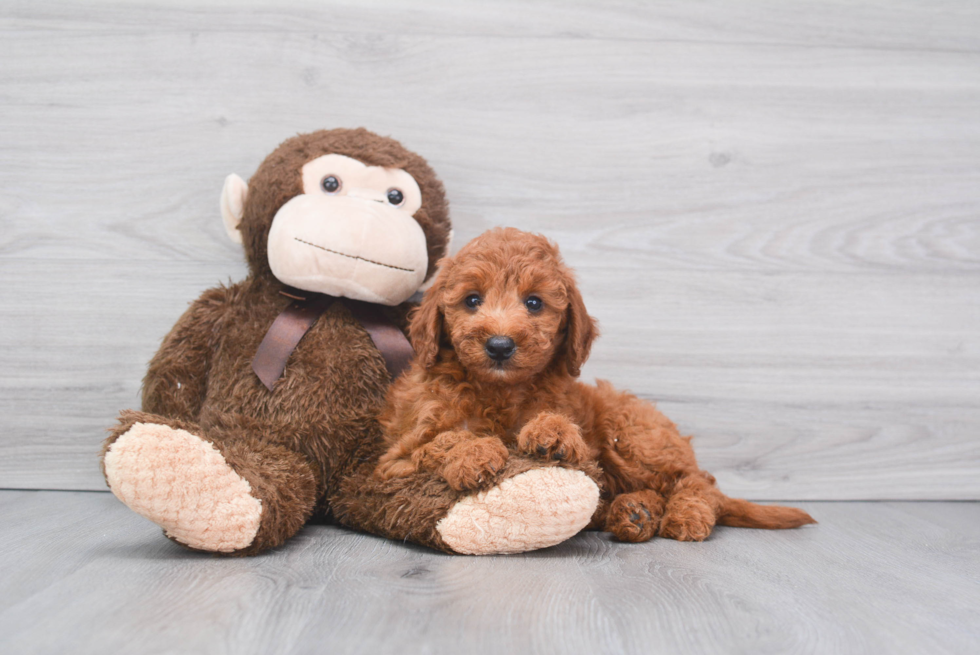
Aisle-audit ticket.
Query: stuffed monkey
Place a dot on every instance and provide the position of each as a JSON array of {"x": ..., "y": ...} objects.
[{"x": 260, "y": 408}]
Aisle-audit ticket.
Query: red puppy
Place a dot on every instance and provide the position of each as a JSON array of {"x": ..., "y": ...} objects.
[{"x": 499, "y": 340}]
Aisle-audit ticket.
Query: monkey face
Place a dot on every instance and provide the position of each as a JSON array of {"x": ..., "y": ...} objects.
[
  {"x": 343, "y": 212},
  {"x": 351, "y": 232}
]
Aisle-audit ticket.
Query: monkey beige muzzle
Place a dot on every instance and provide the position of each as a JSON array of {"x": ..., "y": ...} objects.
[{"x": 348, "y": 246}]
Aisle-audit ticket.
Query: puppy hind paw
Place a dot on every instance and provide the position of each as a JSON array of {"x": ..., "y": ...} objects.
[
  {"x": 688, "y": 520},
  {"x": 634, "y": 517}
]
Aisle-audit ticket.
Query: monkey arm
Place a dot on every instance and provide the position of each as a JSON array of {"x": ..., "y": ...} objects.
[{"x": 177, "y": 378}]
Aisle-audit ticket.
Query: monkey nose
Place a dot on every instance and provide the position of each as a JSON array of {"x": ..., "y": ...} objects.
[{"x": 500, "y": 348}]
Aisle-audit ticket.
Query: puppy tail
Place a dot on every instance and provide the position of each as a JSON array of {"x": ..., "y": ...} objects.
[{"x": 740, "y": 513}]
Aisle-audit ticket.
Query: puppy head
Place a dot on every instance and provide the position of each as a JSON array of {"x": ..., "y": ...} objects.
[{"x": 508, "y": 306}]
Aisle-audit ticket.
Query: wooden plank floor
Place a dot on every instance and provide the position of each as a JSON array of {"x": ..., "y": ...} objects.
[{"x": 80, "y": 573}]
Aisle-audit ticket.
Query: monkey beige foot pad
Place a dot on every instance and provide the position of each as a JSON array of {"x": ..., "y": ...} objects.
[
  {"x": 183, "y": 484},
  {"x": 536, "y": 509}
]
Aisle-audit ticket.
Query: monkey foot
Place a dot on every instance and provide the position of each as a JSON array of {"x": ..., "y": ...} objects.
[
  {"x": 535, "y": 509},
  {"x": 183, "y": 484}
]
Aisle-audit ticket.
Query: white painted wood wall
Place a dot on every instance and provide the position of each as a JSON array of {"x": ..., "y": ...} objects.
[{"x": 774, "y": 207}]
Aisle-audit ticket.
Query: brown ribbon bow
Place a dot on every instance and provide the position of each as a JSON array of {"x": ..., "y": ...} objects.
[{"x": 300, "y": 315}]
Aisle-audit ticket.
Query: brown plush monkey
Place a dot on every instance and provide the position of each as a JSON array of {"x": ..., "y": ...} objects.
[{"x": 260, "y": 408}]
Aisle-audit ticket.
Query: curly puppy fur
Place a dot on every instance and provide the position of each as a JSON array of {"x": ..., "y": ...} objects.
[{"x": 467, "y": 400}]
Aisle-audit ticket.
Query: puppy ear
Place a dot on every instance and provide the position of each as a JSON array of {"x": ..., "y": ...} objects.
[
  {"x": 580, "y": 330},
  {"x": 425, "y": 326}
]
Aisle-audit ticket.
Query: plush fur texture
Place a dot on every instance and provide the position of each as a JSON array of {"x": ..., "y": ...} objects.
[
  {"x": 307, "y": 449},
  {"x": 552, "y": 504},
  {"x": 189, "y": 488},
  {"x": 459, "y": 412}
]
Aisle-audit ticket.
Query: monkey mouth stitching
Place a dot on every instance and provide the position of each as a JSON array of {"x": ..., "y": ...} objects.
[{"x": 363, "y": 259}]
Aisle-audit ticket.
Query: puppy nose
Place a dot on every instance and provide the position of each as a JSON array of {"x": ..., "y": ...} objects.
[{"x": 500, "y": 348}]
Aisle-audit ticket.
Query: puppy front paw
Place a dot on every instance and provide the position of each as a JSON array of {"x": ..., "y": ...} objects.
[
  {"x": 395, "y": 468},
  {"x": 473, "y": 464},
  {"x": 553, "y": 436}
]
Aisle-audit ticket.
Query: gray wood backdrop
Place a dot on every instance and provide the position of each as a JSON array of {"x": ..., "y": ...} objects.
[{"x": 774, "y": 207}]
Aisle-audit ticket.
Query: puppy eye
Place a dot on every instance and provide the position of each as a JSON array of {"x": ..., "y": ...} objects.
[
  {"x": 473, "y": 300},
  {"x": 395, "y": 197},
  {"x": 534, "y": 304},
  {"x": 330, "y": 184}
]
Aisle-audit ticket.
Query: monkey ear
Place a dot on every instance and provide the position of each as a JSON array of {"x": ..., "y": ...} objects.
[
  {"x": 425, "y": 328},
  {"x": 581, "y": 331},
  {"x": 233, "y": 205}
]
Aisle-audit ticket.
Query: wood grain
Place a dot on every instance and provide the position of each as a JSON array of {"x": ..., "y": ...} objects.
[
  {"x": 774, "y": 209},
  {"x": 80, "y": 573}
]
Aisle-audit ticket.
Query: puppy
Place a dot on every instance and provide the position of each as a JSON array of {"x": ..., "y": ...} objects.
[{"x": 499, "y": 339}]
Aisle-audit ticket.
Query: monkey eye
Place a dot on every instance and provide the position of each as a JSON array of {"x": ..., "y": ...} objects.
[
  {"x": 330, "y": 184},
  {"x": 395, "y": 197},
  {"x": 534, "y": 304},
  {"x": 473, "y": 300}
]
